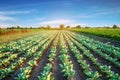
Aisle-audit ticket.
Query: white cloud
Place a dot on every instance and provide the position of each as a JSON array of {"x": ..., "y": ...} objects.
[
  {"x": 36, "y": 19},
  {"x": 39, "y": 19},
  {"x": 83, "y": 16},
  {"x": 106, "y": 11},
  {"x": 74, "y": 24},
  {"x": 57, "y": 22},
  {"x": 6, "y": 18},
  {"x": 5, "y": 25},
  {"x": 16, "y": 12}
]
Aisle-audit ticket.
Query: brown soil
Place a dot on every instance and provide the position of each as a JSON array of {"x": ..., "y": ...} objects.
[
  {"x": 78, "y": 70},
  {"x": 38, "y": 70},
  {"x": 56, "y": 70}
]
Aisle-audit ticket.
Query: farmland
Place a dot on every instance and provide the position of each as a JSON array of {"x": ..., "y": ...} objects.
[
  {"x": 59, "y": 55},
  {"x": 7, "y": 35},
  {"x": 113, "y": 34}
]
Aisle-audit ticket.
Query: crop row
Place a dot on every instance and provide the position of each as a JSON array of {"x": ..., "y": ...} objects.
[
  {"x": 90, "y": 44},
  {"x": 33, "y": 62},
  {"x": 103, "y": 69},
  {"x": 47, "y": 71},
  {"x": 31, "y": 51}
]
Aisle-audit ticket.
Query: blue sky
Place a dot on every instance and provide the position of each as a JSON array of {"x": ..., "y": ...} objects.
[{"x": 55, "y": 12}]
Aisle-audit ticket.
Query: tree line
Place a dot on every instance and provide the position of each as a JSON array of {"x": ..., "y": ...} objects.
[{"x": 61, "y": 26}]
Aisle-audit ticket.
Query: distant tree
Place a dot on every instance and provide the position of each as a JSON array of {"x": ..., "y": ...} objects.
[
  {"x": 87, "y": 27},
  {"x": 25, "y": 27},
  {"x": 62, "y": 26},
  {"x": 11, "y": 27},
  {"x": 41, "y": 27},
  {"x": 48, "y": 27},
  {"x": 78, "y": 26},
  {"x": 18, "y": 27},
  {"x": 73, "y": 27},
  {"x": 30, "y": 27},
  {"x": 106, "y": 27},
  {"x": 115, "y": 26},
  {"x": 67, "y": 26}
]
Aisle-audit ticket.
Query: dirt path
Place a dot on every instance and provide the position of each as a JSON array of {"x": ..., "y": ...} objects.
[
  {"x": 41, "y": 64},
  {"x": 38, "y": 69},
  {"x": 78, "y": 70},
  {"x": 56, "y": 70},
  {"x": 92, "y": 66},
  {"x": 105, "y": 62}
]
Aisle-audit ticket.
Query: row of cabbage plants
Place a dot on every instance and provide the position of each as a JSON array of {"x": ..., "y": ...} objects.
[
  {"x": 66, "y": 65},
  {"x": 13, "y": 57},
  {"x": 15, "y": 46},
  {"x": 80, "y": 59},
  {"x": 24, "y": 75},
  {"x": 108, "y": 49},
  {"x": 47, "y": 71},
  {"x": 7, "y": 71},
  {"x": 103, "y": 68},
  {"x": 25, "y": 47},
  {"x": 20, "y": 45},
  {"x": 85, "y": 41}
]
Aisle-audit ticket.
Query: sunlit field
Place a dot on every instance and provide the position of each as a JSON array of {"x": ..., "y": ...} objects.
[
  {"x": 59, "y": 39},
  {"x": 58, "y": 55},
  {"x": 113, "y": 34}
]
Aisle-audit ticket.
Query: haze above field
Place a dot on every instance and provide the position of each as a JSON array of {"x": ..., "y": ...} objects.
[{"x": 54, "y": 12}]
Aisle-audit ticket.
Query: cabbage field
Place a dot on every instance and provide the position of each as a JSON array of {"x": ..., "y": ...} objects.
[{"x": 59, "y": 55}]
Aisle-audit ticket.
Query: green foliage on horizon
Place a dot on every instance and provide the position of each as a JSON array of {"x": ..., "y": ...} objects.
[{"x": 107, "y": 33}]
